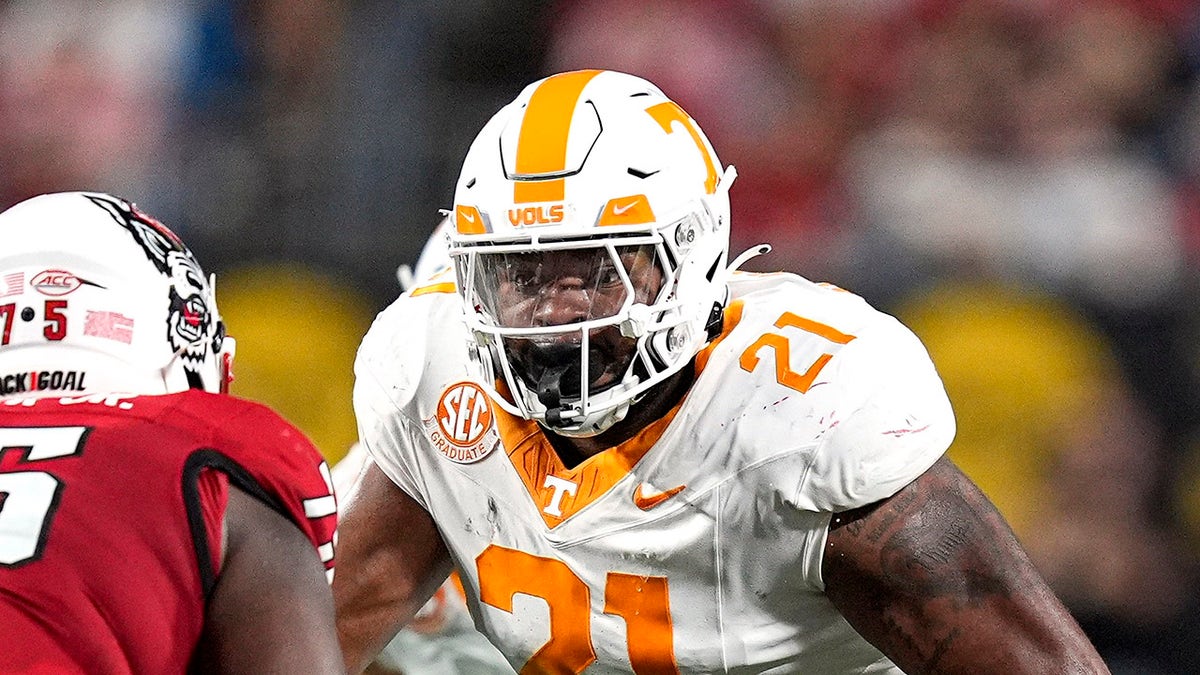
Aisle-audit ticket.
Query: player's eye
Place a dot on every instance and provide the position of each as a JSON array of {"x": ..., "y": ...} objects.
[
  {"x": 524, "y": 276},
  {"x": 608, "y": 275}
]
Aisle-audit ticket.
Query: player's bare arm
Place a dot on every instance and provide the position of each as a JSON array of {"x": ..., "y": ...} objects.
[
  {"x": 288, "y": 628},
  {"x": 935, "y": 578},
  {"x": 390, "y": 561}
]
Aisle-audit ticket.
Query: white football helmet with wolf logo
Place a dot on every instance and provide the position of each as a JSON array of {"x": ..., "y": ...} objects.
[
  {"x": 96, "y": 296},
  {"x": 591, "y": 186}
]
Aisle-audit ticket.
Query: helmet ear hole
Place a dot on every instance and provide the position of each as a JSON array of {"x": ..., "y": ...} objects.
[{"x": 218, "y": 336}]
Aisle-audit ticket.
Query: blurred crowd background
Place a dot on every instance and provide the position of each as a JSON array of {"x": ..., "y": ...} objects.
[{"x": 1017, "y": 180}]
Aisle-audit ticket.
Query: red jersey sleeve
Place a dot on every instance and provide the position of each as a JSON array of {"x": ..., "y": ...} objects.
[
  {"x": 270, "y": 459},
  {"x": 111, "y": 513}
]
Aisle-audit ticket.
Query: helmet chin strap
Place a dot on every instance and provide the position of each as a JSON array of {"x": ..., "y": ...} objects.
[
  {"x": 549, "y": 392},
  {"x": 548, "y": 372},
  {"x": 555, "y": 375}
]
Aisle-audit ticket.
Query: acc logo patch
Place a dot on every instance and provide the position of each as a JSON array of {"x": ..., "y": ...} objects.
[
  {"x": 55, "y": 283},
  {"x": 463, "y": 427}
]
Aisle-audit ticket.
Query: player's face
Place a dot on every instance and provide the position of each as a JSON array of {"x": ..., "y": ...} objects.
[
  {"x": 558, "y": 288},
  {"x": 546, "y": 289}
]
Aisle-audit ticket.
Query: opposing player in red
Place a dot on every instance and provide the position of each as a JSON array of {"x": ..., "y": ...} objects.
[{"x": 148, "y": 523}]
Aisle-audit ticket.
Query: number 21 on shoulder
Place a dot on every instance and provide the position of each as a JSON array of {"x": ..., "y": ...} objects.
[{"x": 780, "y": 345}]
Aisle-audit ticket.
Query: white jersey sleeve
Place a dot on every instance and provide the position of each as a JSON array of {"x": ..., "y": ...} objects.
[
  {"x": 391, "y": 368},
  {"x": 847, "y": 395},
  {"x": 868, "y": 416},
  {"x": 898, "y": 424}
]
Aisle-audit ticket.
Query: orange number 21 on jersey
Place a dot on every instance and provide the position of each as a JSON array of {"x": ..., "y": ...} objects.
[
  {"x": 783, "y": 362},
  {"x": 641, "y": 601}
]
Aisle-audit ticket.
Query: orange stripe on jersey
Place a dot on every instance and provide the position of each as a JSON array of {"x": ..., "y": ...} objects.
[
  {"x": 442, "y": 287},
  {"x": 542, "y": 144},
  {"x": 827, "y": 332},
  {"x": 458, "y": 585},
  {"x": 534, "y": 459}
]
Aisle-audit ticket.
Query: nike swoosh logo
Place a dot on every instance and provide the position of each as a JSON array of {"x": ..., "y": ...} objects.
[
  {"x": 620, "y": 210},
  {"x": 646, "y": 497}
]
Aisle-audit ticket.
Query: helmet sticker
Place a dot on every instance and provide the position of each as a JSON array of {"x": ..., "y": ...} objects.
[
  {"x": 190, "y": 320},
  {"x": 56, "y": 282},
  {"x": 12, "y": 284},
  {"x": 109, "y": 325},
  {"x": 154, "y": 237},
  {"x": 43, "y": 380}
]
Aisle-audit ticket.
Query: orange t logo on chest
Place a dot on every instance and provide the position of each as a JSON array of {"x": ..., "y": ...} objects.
[{"x": 561, "y": 488}]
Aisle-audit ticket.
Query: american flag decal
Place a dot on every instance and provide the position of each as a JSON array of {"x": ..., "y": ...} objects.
[
  {"x": 13, "y": 283},
  {"x": 109, "y": 325}
]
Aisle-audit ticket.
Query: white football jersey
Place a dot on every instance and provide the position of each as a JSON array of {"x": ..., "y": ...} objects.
[{"x": 696, "y": 545}]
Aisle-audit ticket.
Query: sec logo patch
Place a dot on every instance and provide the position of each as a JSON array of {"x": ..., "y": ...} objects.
[{"x": 462, "y": 427}]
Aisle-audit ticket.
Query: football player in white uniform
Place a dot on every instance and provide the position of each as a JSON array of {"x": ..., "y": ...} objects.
[{"x": 640, "y": 460}]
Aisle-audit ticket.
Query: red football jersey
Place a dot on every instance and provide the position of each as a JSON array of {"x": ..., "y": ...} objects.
[{"x": 110, "y": 521}]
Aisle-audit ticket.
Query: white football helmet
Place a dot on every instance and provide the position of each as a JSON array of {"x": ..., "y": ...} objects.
[
  {"x": 97, "y": 297},
  {"x": 590, "y": 237}
]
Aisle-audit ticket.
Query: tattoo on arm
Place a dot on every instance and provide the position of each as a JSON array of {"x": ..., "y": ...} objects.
[
  {"x": 934, "y": 577},
  {"x": 945, "y": 551}
]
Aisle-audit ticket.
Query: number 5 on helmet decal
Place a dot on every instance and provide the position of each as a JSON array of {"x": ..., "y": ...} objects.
[
  {"x": 56, "y": 320},
  {"x": 784, "y": 374}
]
